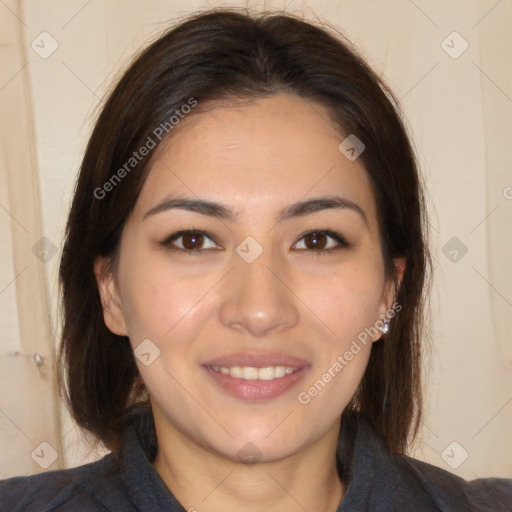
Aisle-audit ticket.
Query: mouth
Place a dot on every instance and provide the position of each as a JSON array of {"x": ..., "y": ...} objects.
[
  {"x": 254, "y": 373},
  {"x": 256, "y": 377}
]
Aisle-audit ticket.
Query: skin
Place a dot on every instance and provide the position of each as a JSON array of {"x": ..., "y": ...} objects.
[{"x": 255, "y": 158}]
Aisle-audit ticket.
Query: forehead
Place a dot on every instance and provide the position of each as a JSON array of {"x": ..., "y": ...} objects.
[{"x": 263, "y": 154}]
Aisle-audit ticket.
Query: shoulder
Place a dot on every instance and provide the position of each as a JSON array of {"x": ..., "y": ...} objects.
[
  {"x": 85, "y": 488},
  {"x": 451, "y": 492},
  {"x": 383, "y": 480}
]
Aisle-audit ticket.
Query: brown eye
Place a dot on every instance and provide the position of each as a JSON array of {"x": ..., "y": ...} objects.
[
  {"x": 315, "y": 241},
  {"x": 322, "y": 241},
  {"x": 189, "y": 241}
]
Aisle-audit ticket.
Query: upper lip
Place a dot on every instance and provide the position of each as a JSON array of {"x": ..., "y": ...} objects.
[{"x": 256, "y": 360}]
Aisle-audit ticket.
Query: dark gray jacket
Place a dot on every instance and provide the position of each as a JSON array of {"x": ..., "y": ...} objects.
[{"x": 377, "y": 481}]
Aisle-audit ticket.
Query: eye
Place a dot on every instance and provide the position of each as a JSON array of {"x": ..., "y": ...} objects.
[
  {"x": 194, "y": 240},
  {"x": 191, "y": 241},
  {"x": 319, "y": 241}
]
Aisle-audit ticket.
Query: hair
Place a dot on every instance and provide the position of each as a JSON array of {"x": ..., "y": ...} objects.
[{"x": 227, "y": 56}]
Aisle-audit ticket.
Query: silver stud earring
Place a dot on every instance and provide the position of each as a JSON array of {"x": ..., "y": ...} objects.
[{"x": 385, "y": 327}]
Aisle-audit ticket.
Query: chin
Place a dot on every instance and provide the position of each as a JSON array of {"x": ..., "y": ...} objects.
[{"x": 263, "y": 441}]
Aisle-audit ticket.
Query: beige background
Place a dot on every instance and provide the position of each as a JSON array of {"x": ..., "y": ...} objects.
[{"x": 458, "y": 109}]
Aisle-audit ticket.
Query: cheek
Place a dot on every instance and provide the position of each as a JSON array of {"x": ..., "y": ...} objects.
[
  {"x": 160, "y": 304},
  {"x": 168, "y": 311},
  {"x": 346, "y": 301}
]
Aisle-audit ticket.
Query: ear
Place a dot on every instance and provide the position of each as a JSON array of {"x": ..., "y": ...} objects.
[
  {"x": 109, "y": 295},
  {"x": 389, "y": 295}
]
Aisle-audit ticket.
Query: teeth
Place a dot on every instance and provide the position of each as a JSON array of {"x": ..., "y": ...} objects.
[
  {"x": 252, "y": 373},
  {"x": 249, "y": 373}
]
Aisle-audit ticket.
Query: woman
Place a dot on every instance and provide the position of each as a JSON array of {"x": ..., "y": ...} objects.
[{"x": 243, "y": 284}]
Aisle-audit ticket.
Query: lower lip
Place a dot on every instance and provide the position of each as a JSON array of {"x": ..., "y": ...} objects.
[{"x": 256, "y": 390}]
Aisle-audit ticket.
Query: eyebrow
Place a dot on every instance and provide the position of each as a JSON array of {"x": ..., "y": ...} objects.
[{"x": 220, "y": 211}]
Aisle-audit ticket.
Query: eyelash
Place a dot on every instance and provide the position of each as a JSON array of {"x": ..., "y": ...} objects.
[{"x": 168, "y": 242}]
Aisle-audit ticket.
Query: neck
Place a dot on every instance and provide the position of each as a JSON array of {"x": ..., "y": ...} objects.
[{"x": 205, "y": 481}]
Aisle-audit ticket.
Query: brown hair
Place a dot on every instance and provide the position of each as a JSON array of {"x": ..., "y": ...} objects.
[{"x": 231, "y": 55}]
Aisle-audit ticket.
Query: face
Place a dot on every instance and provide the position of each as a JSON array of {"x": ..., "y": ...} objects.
[{"x": 220, "y": 299}]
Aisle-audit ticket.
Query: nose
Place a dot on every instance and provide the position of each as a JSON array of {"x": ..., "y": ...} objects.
[{"x": 258, "y": 299}]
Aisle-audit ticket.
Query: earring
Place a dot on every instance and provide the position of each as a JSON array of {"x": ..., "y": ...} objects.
[{"x": 385, "y": 327}]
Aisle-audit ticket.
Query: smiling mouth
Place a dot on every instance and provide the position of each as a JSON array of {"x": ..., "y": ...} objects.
[
  {"x": 256, "y": 384},
  {"x": 253, "y": 373}
]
